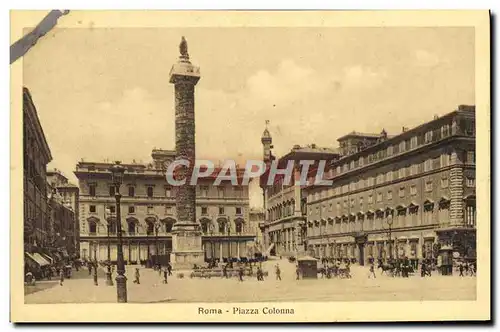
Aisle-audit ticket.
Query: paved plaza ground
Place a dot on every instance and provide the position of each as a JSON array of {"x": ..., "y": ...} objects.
[{"x": 81, "y": 289}]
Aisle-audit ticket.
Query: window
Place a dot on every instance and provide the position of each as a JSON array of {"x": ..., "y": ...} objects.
[
  {"x": 345, "y": 188},
  {"x": 168, "y": 192},
  {"x": 428, "y": 136},
  {"x": 361, "y": 161},
  {"x": 238, "y": 210},
  {"x": 345, "y": 168},
  {"x": 361, "y": 184},
  {"x": 413, "y": 142},
  {"x": 150, "y": 192},
  {"x": 371, "y": 180},
  {"x": 390, "y": 151},
  {"x": 428, "y": 186},
  {"x": 352, "y": 186},
  {"x": 131, "y": 191},
  {"x": 402, "y": 172},
  {"x": 361, "y": 201},
  {"x": 389, "y": 176},
  {"x": 331, "y": 207},
  {"x": 445, "y": 130},
  {"x": 414, "y": 169},
  {"x": 470, "y": 182},
  {"x": 389, "y": 195},
  {"x": 444, "y": 183},
  {"x": 92, "y": 190},
  {"x": 92, "y": 209},
  {"x": 204, "y": 191},
  {"x": 380, "y": 178},
  {"x": 238, "y": 192},
  {"x": 204, "y": 210},
  {"x": 379, "y": 197},
  {"x": 221, "y": 210},
  {"x": 221, "y": 192},
  {"x": 339, "y": 170},
  {"x": 444, "y": 160},
  {"x": 413, "y": 190},
  {"x": 352, "y": 202},
  {"x": 112, "y": 209},
  {"x": 112, "y": 191},
  {"x": 402, "y": 192},
  {"x": 471, "y": 157},
  {"x": 428, "y": 165},
  {"x": 402, "y": 146},
  {"x": 345, "y": 204},
  {"x": 92, "y": 227},
  {"x": 370, "y": 199},
  {"x": 151, "y": 209},
  {"x": 131, "y": 209}
]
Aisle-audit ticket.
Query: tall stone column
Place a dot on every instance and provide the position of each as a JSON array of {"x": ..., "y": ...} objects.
[{"x": 186, "y": 234}]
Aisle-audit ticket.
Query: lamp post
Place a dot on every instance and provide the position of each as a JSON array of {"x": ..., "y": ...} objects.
[
  {"x": 211, "y": 230},
  {"x": 117, "y": 172},
  {"x": 389, "y": 223},
  {"x": 157, "y": 227},
  {"x": 229, "y": 239},
  {"x": 109, "y": 279}
]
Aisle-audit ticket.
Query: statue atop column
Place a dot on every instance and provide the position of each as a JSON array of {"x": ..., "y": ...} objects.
[{"x": 183, "y": 49}]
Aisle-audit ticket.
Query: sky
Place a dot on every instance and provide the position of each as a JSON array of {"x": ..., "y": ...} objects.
[{"x": 105, "y": 93}]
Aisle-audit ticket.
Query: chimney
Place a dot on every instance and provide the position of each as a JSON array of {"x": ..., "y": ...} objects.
[
  {"x": 436, "y": 116},
  {"x": 313, "y": 146}
]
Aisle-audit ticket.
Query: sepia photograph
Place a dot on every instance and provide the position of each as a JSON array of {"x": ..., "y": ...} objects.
[{"x": 266, "y": 168}]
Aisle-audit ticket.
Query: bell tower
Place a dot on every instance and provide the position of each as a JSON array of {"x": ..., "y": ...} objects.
[{"x": 267, "y": 142}]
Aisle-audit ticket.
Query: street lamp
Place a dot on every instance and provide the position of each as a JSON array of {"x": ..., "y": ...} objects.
[
  {"x": 211, "y": 230},
  {"x": 390, "y": 220},
  {"x": 109, "y": 279},
  {"x": 117, "y": 174},
  {"x": 229, "y": 239},
  {"x": 157, "y": 258}
]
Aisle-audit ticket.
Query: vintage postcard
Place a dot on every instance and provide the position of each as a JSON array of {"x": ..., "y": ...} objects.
[{"x": 250, "y": 166}]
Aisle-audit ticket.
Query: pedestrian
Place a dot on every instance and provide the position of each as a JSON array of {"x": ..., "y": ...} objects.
[
  {"x": 61, "y": 276},
  {"x": 461, "y": 269},
  {"x": 240, "y": 273},
  {"x": 297, "y": 272},
  {"x": 169, "y": 268},
  {"x": 224, "y": 271},
  {"x": 260, "y": 274},
  {"x": 89, "y": 266},
  {"x": 159, "y": 269},
  {"x": 372, "y": 271},
  {"x": 137, "y": 276},
  {"x": 165, "y": 276},
  {"x": 95, "y": 274},
  {"x": 278, "y": 272}
]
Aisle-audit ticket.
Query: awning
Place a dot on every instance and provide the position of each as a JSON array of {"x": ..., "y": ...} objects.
[
  {"x": 428, "y": 202},
  {"x": 48, "y": 258},
  {"x": 37, "y": 259},
  {"x": 414, "y": 237},
  {"x": 401, "y": 207}
]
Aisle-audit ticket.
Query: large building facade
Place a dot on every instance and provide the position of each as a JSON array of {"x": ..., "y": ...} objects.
[
  {"x": 284, "y": 229},
  {"x": 65, "y": 207},
  {"x": 404, "y": 195},
  {"x": 148, "y": 211},
  {"x": 36, "y": 156}
]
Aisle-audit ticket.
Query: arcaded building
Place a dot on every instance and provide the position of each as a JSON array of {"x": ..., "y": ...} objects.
[
  {"x": 403, "y": 195},
  {"x": 148, "y": 212}
]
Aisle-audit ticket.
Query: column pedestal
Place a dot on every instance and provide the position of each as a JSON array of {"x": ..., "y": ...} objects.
[{"x": 186, "y": 246}]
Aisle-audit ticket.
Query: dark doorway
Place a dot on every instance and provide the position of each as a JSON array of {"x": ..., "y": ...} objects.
[{"x": 361, "y": 247}]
